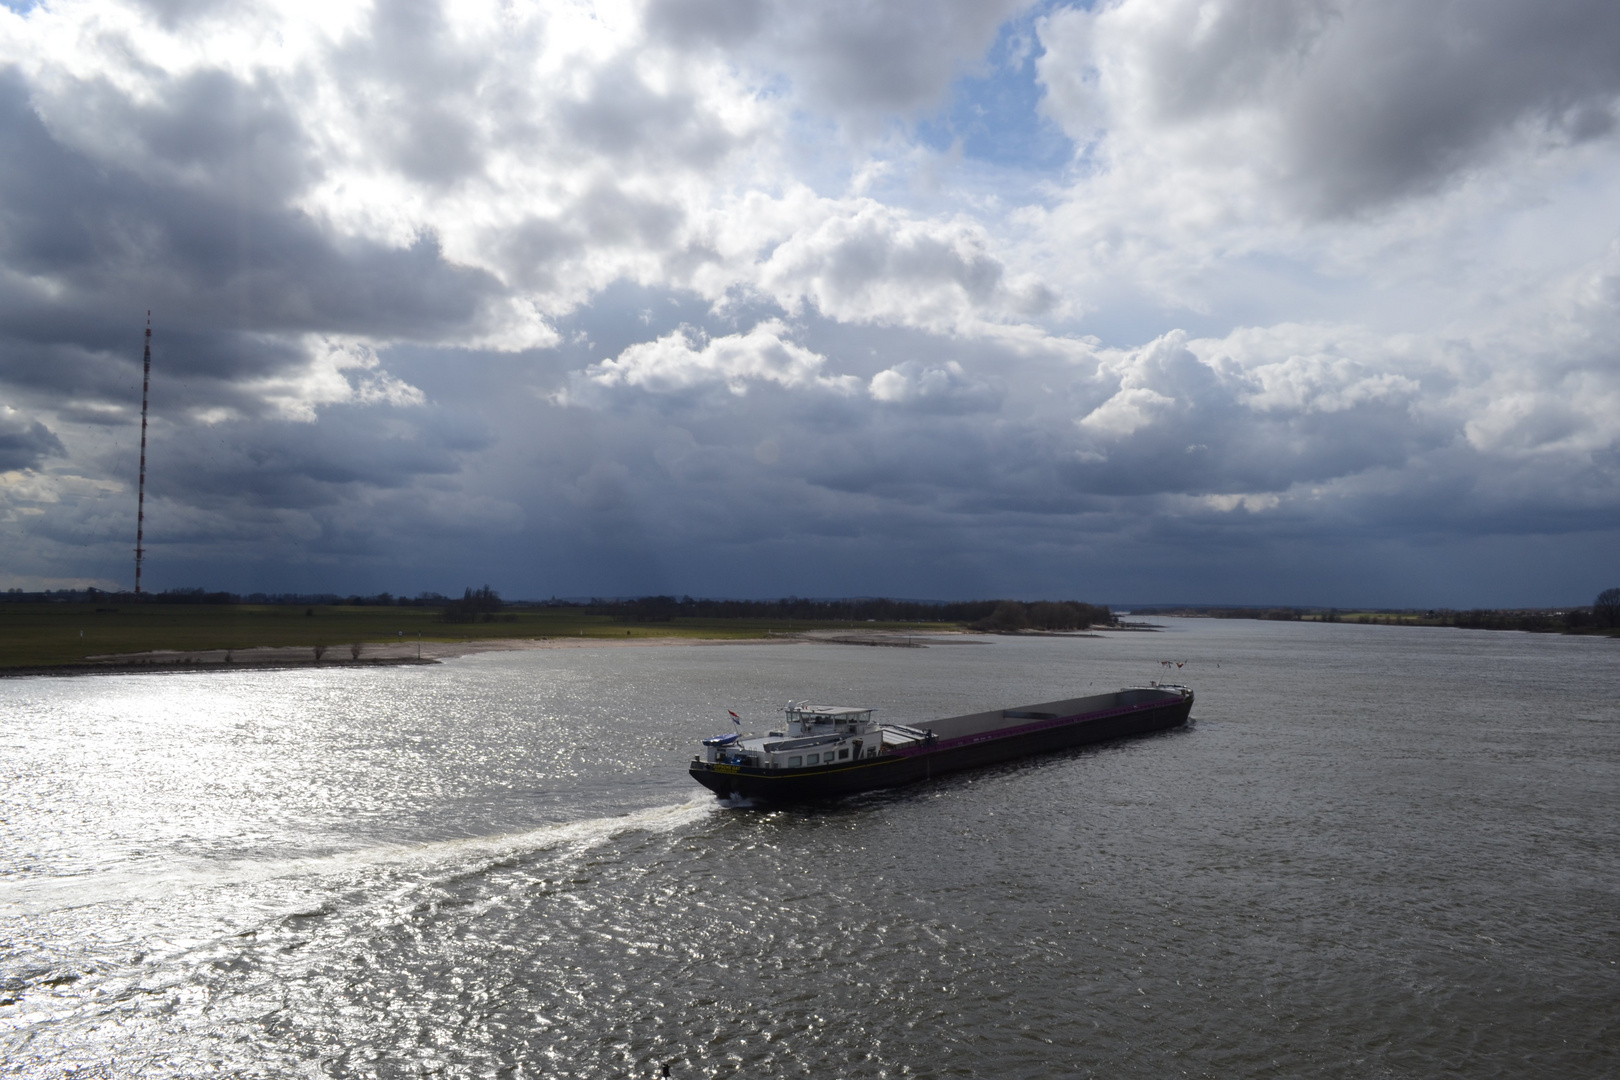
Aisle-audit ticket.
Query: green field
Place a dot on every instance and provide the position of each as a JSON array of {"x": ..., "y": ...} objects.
[
  {"x": 1384, "y": 618},
  {"x": 47, "y": 635}
]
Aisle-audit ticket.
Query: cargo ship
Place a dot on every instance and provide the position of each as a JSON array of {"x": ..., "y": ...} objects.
[{"x": 829, "y": 750}]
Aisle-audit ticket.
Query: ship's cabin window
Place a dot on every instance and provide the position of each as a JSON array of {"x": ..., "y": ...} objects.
[
  {"x": 842, "y": 754},
  {"x": 815, "y": 759},
  {"x": 795, "y": 762}
]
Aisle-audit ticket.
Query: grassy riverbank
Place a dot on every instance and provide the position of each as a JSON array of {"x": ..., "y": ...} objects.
[{"x": 49, "y": 635}]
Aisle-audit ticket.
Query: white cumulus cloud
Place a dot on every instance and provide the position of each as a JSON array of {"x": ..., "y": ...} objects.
[{"x": 677, "y": 362}]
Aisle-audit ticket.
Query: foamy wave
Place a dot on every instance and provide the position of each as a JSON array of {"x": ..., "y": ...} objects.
[{"x": 461, "y": 855}]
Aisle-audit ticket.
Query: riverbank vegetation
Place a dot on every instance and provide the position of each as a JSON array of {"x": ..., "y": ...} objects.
[
  {"x": 41, "y": 630},
  {"x": 987, "y": 616},
  {"x": 70, "y": 631},
  {"x": 49, "y": 634},
  {"x": 1597, "y": 619}
]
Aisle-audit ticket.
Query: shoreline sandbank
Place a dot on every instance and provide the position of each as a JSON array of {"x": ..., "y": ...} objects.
[{"x": 409, "y": 652}]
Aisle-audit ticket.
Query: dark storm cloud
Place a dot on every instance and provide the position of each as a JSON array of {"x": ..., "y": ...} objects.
[
  {"x": 850, "y": 55},
  {"x": 724, "y": 370},
  {"x": 1260, "y": 441},
  {"x": 1156, "y": 421},
  {"x": 1352, "y": 105},
  {"x": 437, "y": 108},
  {"x": 223, "y": 273},
  {"x": 542, "y": 253},
  {"x": 1402, "y": 96},
  {"x": 410, "y": 61},
  {"x": 618, "y": 115},
  {"x": 344, "y": 493},
  {"x": 173, "y": 14},
  {"x": 207, "y": 130},
  {"x": 193, "y": 219},
  {"x": 299, "y": 466},
  {"x": 721, "y": 22},
  {"x": 276, "y": 427},
  {"x": 25, "y": 443}
]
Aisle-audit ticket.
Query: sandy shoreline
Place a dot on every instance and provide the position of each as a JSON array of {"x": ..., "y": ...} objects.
[{"x": 408, "y": 652}]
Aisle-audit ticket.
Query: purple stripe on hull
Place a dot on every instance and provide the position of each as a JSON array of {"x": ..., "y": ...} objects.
[{"x": 1024, "y": 729}]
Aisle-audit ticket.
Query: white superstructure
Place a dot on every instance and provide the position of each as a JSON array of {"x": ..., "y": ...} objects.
[{"x": 814, "y": 735}]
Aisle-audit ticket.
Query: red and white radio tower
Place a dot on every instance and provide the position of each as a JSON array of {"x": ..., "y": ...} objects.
[{"x": 140, "y": 500}]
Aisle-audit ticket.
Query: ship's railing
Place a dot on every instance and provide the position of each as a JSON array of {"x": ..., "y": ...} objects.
[{"x": 915, "y": 733}]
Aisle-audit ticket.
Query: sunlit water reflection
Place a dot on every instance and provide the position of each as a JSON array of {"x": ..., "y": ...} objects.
[{"x": 1378, "y": 851}]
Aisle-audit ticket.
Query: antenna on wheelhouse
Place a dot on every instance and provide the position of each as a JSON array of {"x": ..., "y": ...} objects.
[{"x": 140, "y": 499}]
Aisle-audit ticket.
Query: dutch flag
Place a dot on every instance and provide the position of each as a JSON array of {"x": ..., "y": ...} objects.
[{"x": 735, "y": 719}]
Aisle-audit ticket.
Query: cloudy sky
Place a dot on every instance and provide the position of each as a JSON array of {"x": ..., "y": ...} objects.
[{"x": 1264, "y": 301}]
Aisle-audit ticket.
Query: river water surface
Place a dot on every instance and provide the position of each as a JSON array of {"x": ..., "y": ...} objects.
[{"x": 1378, "y": 852}]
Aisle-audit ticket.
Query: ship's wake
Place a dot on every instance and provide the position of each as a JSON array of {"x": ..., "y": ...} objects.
[{"x": 23, "y": 897}]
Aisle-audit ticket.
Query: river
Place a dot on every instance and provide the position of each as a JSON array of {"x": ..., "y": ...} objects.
[{"x": 1377, "y": 851}]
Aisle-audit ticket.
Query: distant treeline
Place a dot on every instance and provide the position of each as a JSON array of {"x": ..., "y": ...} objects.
[
  {"x": 475, "y": 605},
  {"x": 204, "y": 596},
  {"x": 1275, "y": 614},
  {"x": 1534, "y": 620},
  {"x": 1545, "y": 622},
  {"x": 994, "y": 615}
]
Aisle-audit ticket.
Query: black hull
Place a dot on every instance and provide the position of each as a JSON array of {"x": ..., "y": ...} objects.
[{"x": 894, "y": 769}]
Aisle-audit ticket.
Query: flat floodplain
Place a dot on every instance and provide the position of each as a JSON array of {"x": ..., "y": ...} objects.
[
  {"x": 1379, "y": 851},
  {"x": 43, "y": 635}
]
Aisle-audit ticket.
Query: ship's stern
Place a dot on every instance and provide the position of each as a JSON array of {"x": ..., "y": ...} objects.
[{"x": 722, "y": 779}]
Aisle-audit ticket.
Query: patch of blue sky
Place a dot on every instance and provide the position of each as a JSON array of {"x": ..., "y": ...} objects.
[
  {"x": 21, "y": 7},
  {"x": 994, "y": 114}
]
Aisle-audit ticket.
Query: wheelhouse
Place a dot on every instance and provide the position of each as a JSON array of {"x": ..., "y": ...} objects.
[{"x": 812, "y": 736}]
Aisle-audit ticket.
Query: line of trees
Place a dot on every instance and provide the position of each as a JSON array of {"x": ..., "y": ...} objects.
[
  {"x": 991, "y": 615},
  {"x": 1606, "y": 608},
  {"x": 1604, "y": 614},
  {"x": 1537, "y": 622},
  {"x": 475, "y": 605},
  {"x": 995, "y": 616},
  {"x": 1010, "y": 616},
  {"x": 1272, "y": 614},
  {"x": 206, "y": 596}
]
